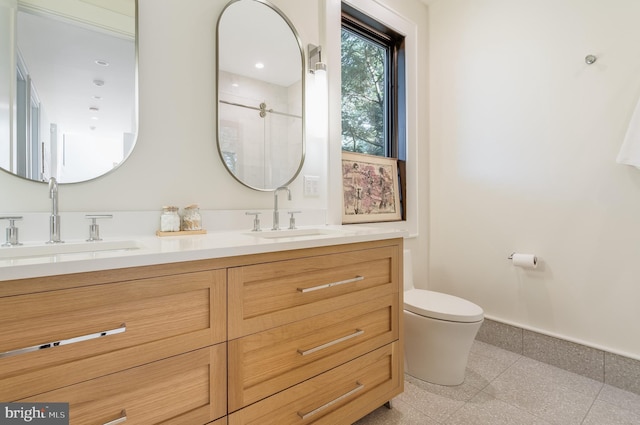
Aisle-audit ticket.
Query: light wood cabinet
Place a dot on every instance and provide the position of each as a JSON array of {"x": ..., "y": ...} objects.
[
  {"x": 339, "y": 396},
  {"x": 154, "y": 346},
  {"x": 316, "y": 338},
  {"x": 269, "y": 294},
  {"x": 184, "y": 389},
  {"x": 275, "y": 359},
  {"x": 302, "y": 336}
]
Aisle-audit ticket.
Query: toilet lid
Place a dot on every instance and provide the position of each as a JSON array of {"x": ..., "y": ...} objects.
[{"x": 441, "y": 306}]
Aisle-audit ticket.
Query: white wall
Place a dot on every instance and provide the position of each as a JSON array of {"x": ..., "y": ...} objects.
[{"x": 524, "y": 137}]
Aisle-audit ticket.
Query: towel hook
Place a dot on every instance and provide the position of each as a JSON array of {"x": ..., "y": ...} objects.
[{"x": 590, "y": 59}]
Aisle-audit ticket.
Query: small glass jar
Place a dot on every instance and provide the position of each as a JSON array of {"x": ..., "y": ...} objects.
[
  {"x": 169, "y": 219},
  {"x": 191, "y": 218}
]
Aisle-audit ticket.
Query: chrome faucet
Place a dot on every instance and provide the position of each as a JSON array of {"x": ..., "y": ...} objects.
[
  {"x": 54, "y": 219},
  {"x": 276, "y": 213}
]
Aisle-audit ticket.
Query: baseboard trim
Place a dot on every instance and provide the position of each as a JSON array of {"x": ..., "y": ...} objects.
[{"x": 601, "y": 365}]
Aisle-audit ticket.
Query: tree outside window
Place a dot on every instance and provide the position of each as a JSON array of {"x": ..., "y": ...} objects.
[
  {"x": 372, "y": 86},
  {"x": 364, "y": 95}
]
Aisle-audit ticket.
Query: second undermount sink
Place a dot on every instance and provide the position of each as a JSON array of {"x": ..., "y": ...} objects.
[
  {"x": 296, "y": 233},
  {"x": 44, "y": 249}
]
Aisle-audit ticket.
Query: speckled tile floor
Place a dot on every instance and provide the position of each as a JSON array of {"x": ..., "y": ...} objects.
[{"x": 504, "y": 388}]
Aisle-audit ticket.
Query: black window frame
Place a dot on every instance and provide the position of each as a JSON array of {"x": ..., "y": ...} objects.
[{"x": 363, "y": 25}]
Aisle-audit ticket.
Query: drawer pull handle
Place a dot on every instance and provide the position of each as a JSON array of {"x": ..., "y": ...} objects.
[
  {"x": 329, "y": 285},
  {"x": 121, "y": 419},
  {"x": 119, "y": 330},
  {"x": 332, "y": 402},
  {"x": 358, "y": 332}
]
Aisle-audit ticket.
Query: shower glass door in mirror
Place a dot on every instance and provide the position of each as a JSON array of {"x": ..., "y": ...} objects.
[
  {"x": 260, "y": 95},
  {"x": 68, "y": 87}
]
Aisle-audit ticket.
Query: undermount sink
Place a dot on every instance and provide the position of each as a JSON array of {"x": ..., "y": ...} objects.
[
  {"x": 44, "y": 249},
  {"x": 295, "y": 233}
]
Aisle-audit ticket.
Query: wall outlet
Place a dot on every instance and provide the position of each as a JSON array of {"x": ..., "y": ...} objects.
[{"x": 311, "y": 186}]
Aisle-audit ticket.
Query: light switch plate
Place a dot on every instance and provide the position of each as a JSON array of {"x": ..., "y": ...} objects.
[{"x": 311, "y": 186}]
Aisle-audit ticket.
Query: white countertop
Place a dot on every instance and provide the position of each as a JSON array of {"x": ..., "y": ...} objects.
[{"x": 159, "y": 250}]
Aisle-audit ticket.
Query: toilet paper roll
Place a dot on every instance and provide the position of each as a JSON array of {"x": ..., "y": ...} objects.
[{"x": 527, "y": 261}]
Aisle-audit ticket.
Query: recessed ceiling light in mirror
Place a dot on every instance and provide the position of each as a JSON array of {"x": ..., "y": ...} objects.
[
  {"x": 101, "y": 62},
  {"x": 259, "y": 65},
  {"x": 98, "y": 83}
]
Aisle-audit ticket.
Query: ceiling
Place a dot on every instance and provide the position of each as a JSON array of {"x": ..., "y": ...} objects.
[{"x": 60, "y": 56}]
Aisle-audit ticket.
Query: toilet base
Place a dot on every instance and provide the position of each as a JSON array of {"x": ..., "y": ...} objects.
[{"x": 437, "y": 351}]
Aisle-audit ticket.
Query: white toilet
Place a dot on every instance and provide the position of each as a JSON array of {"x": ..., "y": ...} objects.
[{"x": 439, "y": 330}]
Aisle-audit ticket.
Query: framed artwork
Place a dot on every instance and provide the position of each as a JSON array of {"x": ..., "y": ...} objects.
[{"x": 369, "y": 188}]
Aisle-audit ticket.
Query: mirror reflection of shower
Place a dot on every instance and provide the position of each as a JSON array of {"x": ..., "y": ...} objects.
[{"x": 260, "y": 84}]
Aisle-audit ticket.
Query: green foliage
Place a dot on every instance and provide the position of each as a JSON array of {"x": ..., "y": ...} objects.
[{"x": 363, "y": 95}]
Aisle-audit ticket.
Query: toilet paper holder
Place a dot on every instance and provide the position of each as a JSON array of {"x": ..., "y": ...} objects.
[{"x": 527, "y": 261}]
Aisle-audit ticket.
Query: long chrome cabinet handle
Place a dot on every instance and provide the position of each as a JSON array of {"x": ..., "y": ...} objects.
[
  {"x": 332, "y": 402},
  {"x": 121, "y": 419},
  {"x": 358, "y": 332},
  {"x": 10, "y": 353},
  {"x": 329, "y": 285}
]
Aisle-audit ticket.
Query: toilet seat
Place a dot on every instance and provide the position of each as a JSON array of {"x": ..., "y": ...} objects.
[{"x": 437, "y": 305}]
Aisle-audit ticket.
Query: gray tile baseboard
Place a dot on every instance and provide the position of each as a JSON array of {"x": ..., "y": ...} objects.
[{"x": 612, "y": 369}]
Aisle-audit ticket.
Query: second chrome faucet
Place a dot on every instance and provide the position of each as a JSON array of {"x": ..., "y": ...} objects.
[
  {"x": 54, "y": 219},
  {"x": 276, "y": 213}
]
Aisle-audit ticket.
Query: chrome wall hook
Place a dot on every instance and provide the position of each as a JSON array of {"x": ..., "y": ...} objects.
[{"x": 590, "y": 59}]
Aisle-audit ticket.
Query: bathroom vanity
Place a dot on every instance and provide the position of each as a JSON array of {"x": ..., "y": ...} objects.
[{"x": 275, "y": 331}]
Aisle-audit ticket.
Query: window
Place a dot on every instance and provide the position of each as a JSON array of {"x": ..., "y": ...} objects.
[
  {"x": 28, "y": 150},
  {"x": 373, "y": 86}
]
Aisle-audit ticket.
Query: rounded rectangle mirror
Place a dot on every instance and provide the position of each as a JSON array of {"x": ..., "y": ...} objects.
[
  {"x": 68, "y": 96},
  {"x": 260, "y": 79}
]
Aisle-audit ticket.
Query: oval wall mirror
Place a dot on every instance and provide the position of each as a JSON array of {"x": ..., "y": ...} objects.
[
  {"x": 260, "y": 78},
  {"x": 69, "y": 91}
]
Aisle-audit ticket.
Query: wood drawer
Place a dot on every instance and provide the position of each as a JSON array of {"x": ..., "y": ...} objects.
[
  {"x": 171, "y": 391},
  {"x": 267, "y": 295},
  {"x": 337, "y": 397},
  {"x": 155, "y": 317},
  {"x": 273, "y": 360}
]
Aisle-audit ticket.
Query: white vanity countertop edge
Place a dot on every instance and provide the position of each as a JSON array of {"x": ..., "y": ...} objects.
[{"x": 171, "y": 249}]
